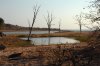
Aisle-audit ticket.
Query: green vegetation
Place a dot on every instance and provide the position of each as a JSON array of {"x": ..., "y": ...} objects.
[
  {"x": 1, "y": 23},
  {"x": 82, "y": 38},
  {"x": 23, "y": 44}
]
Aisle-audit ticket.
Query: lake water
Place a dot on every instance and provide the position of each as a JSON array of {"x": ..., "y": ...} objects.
[
  {"x": 53, "y": 40},
  {"x": 27, "y": 32},
  {"x": 44, "y": 40}
]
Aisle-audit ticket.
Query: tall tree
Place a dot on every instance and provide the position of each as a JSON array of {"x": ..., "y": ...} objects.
[
  {"x": 79, "y": 20},
  {"x": 94, "y": 15},
  {"x": 35, "y": 12},
  {"x": 1, "y": 22},
  {"x": 59, "y": 29},
  {"x": 59, "y": 25},
  {"x": 49, "y": 20}
]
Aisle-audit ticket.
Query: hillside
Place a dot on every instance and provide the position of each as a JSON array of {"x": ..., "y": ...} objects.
[{"x": 17, "y": 28}]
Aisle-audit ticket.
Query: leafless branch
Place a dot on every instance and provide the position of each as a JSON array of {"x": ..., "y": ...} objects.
[{"x": 35, "y": 12}]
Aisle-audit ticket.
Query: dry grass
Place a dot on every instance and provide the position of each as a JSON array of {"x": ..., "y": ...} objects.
[
  {"x": 11, "y": 41},
  {"x": 62, "y": 34}
]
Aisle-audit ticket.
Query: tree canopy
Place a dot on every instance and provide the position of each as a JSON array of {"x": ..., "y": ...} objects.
[{"x": 1, "y": 22}]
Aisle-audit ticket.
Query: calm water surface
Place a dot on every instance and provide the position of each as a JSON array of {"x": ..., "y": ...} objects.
[
  {"x": 44, "y": 40},
  {"x": 53, "y": 40},
  {"x": 27, "y": 32}
]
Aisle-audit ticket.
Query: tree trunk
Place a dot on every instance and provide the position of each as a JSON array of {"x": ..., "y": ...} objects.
[{"x": 49, "y": 35}]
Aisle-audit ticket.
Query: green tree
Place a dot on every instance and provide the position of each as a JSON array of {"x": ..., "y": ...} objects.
[{"x": 1, "y": 23}]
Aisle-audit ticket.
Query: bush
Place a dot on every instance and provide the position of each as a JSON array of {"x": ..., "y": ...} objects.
[
  {"x": 82, "y": 38},
  {"x": 21, "y": 36}
]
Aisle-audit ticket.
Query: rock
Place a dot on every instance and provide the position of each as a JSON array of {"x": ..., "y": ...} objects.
[
  {"x": 2, "y": 47},
  {"x": 2, "y": 34}
]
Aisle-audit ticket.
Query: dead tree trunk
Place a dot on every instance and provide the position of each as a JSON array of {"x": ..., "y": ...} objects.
[
  {"x": 49, "y": 20},
  {"x": 35, "y": 10}
]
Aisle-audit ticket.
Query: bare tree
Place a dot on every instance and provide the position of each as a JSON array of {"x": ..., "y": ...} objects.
[
  {"x": 59, "y": 25},
  {"x": 49, "y": 20},
  {"x": 35, "y": 12},
  {"x": 29, "y": 24},
  {"x": 94, "y": 15},
  {"x": 79, "y": 20}
]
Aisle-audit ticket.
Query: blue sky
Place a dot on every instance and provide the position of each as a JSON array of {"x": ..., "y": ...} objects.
[{"x": 19, "y": 12}]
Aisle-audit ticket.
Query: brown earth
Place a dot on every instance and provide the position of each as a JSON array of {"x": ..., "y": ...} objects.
[
  {"x": 47, "y": 55},
  {"x": 34, "y": 55}
]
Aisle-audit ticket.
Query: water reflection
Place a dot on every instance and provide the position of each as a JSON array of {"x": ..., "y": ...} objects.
[{"x": 53, "y": 40}]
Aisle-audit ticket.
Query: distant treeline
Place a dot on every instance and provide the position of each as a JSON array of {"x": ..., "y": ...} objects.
[{"x": 16, "y": 27}]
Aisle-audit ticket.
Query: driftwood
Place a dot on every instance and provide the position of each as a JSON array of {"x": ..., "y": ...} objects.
[{"x": 15, "y": 56}]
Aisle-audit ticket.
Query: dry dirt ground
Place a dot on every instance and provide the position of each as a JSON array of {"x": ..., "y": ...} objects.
[
  {"x": 34, "y": 55},
  {"x": 47, "y": 55},
  {"x": 41, "y": 55}
]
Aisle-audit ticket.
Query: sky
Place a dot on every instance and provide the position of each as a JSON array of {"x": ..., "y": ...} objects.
[{"x": 20, "y": 12}]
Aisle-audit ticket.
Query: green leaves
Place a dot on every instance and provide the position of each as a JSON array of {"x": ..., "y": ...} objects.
[{"x": 1, "y": 22}]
